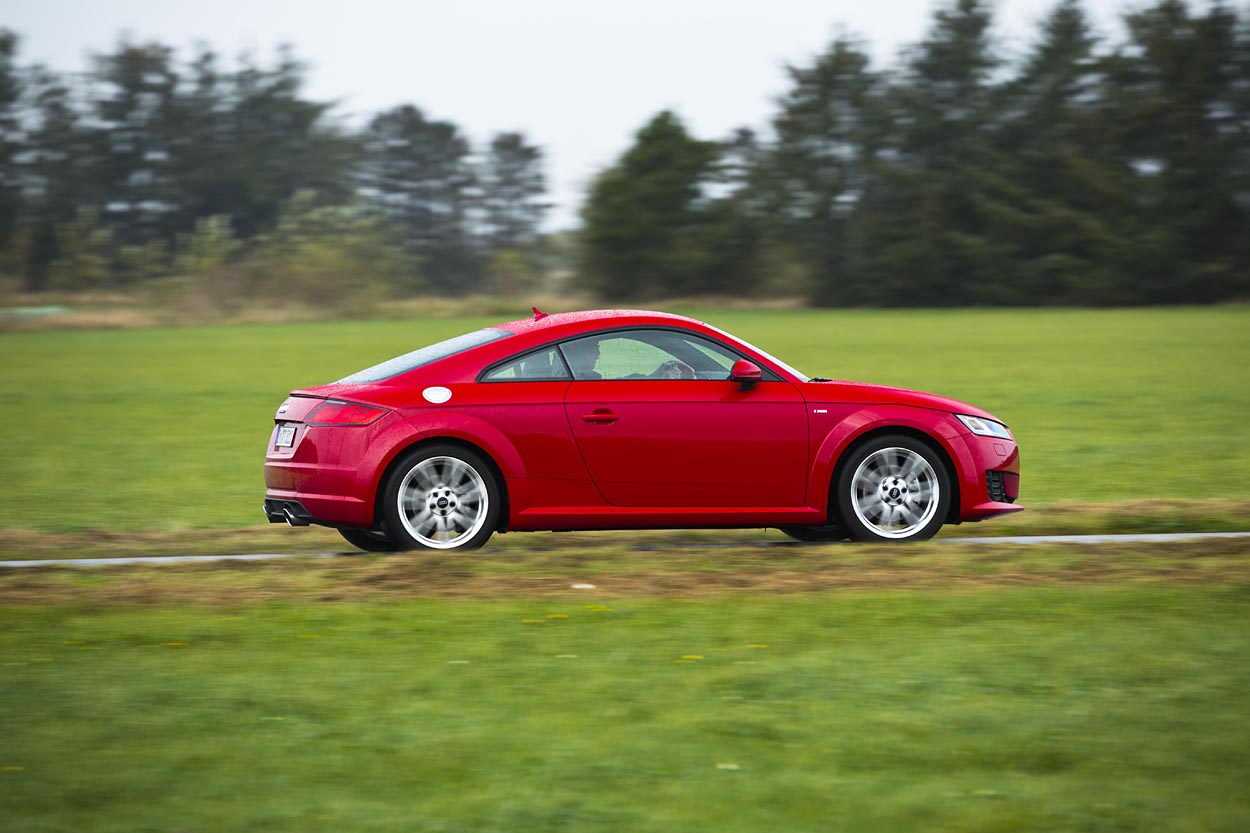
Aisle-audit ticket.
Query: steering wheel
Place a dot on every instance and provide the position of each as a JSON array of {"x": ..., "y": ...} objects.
[{"x": 675, "y": 369}]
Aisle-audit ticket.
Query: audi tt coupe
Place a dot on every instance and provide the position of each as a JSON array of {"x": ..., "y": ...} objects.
[{"x": 625, "y": 419}]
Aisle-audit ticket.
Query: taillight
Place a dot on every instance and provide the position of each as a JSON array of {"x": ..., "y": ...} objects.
[{"x": 337, "y": 412}]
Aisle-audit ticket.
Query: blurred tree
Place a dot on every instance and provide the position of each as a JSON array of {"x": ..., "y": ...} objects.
[
  {"x": 417, "y": 172},
  {"x": 136, "y": 265},
  {"x": 328, "y": 255},
  {"x": 153, "y": 152},
  {"x": 734, "y": 234},
  {"x": 512, "y": 271},
  {"x": 247, "y": 141},
  {"x": 211, "y": 245},
  {"x": 929, "y": 236},
  {"x": 1082, "y": 174},
  {"x": 56, "y": 168},
  {"x": 1066, "y": 194},
  {"x": 1177, "y": 107},
  {"x": 653, "y": 225},
  {"x": 512, "y": 185},
  {"x": 135, "y": 89},
  {"x": 84, "y": 248},
  {"x": 10, "y": 141},
  {"x": 821, "y": 169}
]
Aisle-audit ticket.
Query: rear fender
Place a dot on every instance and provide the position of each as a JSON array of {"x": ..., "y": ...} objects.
[
  {"x": 939, "y": 427},
  {"x": 403, "y": 434}
]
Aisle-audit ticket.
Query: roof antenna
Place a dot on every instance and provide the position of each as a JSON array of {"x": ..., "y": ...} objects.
[{"x": 539, "y": 315}]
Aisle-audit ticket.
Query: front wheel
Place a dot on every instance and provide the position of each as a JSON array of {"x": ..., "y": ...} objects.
[
  {"x": 894, "y": 488},
  {"x": 441, "y": 497}
]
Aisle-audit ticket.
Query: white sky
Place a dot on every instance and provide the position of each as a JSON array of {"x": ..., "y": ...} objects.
[{"x": 578, "y": 77}]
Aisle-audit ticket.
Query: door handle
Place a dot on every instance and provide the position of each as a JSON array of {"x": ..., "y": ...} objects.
[{"x": 601, "y": 416}]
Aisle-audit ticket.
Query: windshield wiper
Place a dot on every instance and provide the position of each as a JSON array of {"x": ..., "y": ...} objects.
[{"x": 819, "y": 379}]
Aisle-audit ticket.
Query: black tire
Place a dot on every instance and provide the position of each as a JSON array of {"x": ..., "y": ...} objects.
[
  {"x": 370, "y": 540},
  {"x": 815, "y": 534},
  {"x": 893, "y": 488},
  {"x": 441, "y": 497}
]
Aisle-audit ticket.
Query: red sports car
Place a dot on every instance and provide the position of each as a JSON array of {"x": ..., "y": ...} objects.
[{"x": 621, "y": 419}]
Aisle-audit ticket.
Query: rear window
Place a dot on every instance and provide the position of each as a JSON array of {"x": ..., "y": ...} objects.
[{"x": 424, "y": 356}]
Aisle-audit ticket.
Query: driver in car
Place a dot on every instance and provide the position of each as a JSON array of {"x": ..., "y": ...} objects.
[{"x": 583, "y": 356}]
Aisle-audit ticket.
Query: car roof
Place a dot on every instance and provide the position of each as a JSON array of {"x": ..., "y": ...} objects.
[{"x": 592, "y": 319}]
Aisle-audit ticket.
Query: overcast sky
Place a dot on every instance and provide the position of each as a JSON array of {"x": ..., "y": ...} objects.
[{"x": 578, "y": 77}]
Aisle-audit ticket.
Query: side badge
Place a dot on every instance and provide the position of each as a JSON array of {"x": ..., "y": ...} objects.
[{"x": 437, "y": 395}]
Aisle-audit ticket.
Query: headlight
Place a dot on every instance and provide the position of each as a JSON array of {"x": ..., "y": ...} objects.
[{"x": 984, "y": 427}]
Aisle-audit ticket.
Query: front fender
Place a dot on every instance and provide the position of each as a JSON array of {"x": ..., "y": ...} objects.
[
  {"x": 405, "y": 431},
  {"x": 850, "y": 423}
]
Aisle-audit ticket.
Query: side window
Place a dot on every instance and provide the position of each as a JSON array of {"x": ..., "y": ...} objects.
[
  {"x": 647, "y": 354},
  {"x": 540, "y": 366},
  {"x": 714, "y": 361}
]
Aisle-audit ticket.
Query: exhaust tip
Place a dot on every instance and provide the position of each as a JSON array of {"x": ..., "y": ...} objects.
[
  {"x": 290, "y": 511},
  {"x": 293, "y": 519}
]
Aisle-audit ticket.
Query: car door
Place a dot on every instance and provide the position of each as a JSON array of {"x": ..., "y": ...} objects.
[
  {"x": 523, "y": 397},
  {"x": 659, "y": 424}
]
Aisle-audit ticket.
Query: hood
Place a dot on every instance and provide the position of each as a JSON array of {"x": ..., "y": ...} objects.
[{"x": 866, "y": 394}]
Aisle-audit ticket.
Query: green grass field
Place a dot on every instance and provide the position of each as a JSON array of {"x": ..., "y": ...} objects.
[
  {"x": 712, "y": 681},
  {"x": 165, "y": 429},
  {"x": 1077, "y": 709}
]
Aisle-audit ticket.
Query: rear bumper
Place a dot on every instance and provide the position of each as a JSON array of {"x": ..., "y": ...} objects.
[
  {"x": 321, "y": 478},
  {"x": 326, "y": 510}
]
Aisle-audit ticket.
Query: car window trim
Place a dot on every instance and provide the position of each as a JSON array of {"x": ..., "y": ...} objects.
[
  {"x": 517, "y": 357},
  {"x": 770, "y": 375}
]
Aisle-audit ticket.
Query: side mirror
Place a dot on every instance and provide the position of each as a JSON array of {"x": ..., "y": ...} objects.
[{"x": 746, "y": 374}]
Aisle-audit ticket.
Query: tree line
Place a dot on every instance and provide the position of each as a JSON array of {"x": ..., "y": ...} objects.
[
  {"x": 1082, "y": 172},
  {"x": 148, "y": 165}
]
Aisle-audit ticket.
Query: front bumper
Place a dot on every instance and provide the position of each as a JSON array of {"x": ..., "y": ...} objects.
[{"x": 989, "y": 482}]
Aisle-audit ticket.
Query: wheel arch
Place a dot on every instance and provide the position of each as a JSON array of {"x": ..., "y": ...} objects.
[
  {"x": 952, "y": 473},
  {"x": 864, "y": 426},
  {"x": 426, "y": 440}
]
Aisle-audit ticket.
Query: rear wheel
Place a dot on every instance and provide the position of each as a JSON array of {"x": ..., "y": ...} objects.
[
  {"x": 370, "y": 540},
  {"x": 441, "y": 497},
  {"x": 894, "y": 488}
]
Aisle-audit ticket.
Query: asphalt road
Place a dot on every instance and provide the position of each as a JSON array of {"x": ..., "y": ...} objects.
[{"x": 1023, "y": 540}]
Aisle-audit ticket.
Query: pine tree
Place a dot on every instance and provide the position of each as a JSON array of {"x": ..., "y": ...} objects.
[
  {"x": 10, "y": 144},
  {"x": 822, "y": 168},
  {"x": 417, "y": 172},
  {"x": 1066, "y": 192},
  {"x": 650, "y": 227},
  {"x": 1176, "y": 106},
  {"x": 512, "y": 185}
]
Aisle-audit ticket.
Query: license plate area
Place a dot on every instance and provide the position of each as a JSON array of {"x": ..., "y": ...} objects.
[{"x": 286, "y": 436}]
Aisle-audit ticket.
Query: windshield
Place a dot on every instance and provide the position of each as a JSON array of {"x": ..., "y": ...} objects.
[
  {"x": 802, "y": 377},
  {"x": 424, "y": 356}
]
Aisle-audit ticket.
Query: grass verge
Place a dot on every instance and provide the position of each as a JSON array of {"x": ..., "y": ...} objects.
[
  {"x": 676, "y": 571},
  {"x": 984, "y": 709},
  {"x": 1148, "y": 516}
]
